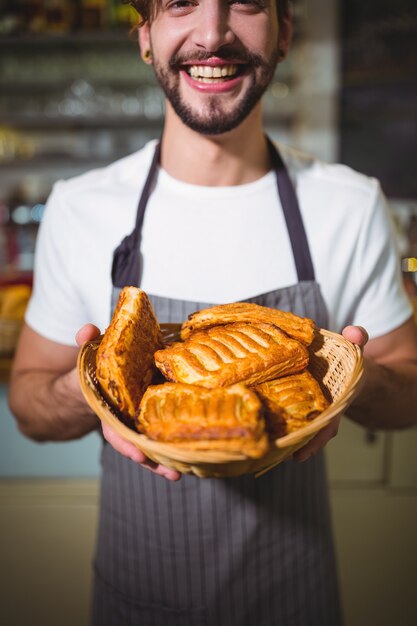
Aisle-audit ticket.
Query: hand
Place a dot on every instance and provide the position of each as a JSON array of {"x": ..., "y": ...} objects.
[
  {"x": 132, "y": 452},
  {"x": 127, "y": 449},
  {"x": 359, "y": 336}
]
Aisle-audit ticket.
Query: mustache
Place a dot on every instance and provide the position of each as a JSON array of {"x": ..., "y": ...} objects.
[{"x": 228, "y": 54}]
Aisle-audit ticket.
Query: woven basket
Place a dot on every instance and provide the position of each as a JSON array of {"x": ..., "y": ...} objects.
[
  {"x": 9, "y": 335},
  {"x": 336, "y": 363}
]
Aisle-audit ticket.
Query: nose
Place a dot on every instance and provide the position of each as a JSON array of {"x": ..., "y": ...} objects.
[{"x": 213, "y": 29}]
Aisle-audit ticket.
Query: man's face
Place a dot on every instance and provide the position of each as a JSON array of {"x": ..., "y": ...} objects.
[{"x": 214, "y": 58}]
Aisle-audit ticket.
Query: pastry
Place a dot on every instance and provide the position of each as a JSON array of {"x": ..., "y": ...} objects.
[
  {"x": 124, "y": 362},
  {"x": 195, "y": 418},
  {"x": 224, "y": 355},
  {"x": 300, "y": 328},
  {"x": 13, "y": 301},
  {"x": 291, "y": 402}
]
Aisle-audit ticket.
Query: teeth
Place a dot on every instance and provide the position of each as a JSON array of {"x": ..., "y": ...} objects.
[{"x": 206, "y": 71}]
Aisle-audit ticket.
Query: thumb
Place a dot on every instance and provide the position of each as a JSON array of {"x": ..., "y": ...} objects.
[
  {"x": 356, "y": 334},
  {"x": 86, "y": 333}
]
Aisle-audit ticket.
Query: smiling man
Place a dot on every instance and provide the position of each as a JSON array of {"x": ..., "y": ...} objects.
[
  {"x": 214, "y": 93},
  {"x": 223, "y": 215}
]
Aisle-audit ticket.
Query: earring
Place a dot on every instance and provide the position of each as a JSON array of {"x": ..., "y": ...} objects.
[
  {"x": 281, "y": 54},
  {"x": 147, "y": 56}
]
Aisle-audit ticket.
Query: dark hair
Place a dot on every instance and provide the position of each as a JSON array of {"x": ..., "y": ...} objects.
[{"x": 148, "y": 8}]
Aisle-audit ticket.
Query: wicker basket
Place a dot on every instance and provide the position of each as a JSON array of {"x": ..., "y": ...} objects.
[
  {"x": 336, "y": 363},
  {"x": 9, "y": 335}
]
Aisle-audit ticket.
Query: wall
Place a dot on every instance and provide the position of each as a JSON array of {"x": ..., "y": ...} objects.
[{"x": 21, "y": 458}]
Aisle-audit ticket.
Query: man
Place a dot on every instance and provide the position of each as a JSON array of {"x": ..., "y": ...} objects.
[{"x": 218, "y": 221}]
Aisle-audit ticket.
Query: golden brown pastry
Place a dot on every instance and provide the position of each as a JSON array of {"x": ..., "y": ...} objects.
[
  {"x": 13, "y": 301},
  {"x": 124, "y": 363},
  {"x": 291, "y": 402},
  {"x": 195, "y": 418},
  {"x": 300, "y": 328},
  {"x": 224, "y": 355}
]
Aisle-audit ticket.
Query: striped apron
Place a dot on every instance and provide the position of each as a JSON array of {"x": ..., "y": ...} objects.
[{"x": 239, "y": 551}]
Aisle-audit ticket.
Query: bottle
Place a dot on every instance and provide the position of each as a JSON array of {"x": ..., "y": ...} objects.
[
  {"x": 123, "y": 15},
  {"x": 59, "y": 15},
  {"x": 93, "y": 15},
  {"x": 4, "y": 218},
  {"x": 409, "y": 263},
  {"x": 33, "y": 15}
]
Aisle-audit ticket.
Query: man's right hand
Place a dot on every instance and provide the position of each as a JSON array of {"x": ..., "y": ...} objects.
[{"x": 126, "y": 448}]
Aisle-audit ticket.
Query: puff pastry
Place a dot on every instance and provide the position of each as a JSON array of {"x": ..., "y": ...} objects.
[
  {"x": 300, "y": 328},
  {"x": 291, "y": 402},
  {"x": 224, "y": 355},
  {"x": 124, "y": 361},
  {"x": 195, "y": 418}
]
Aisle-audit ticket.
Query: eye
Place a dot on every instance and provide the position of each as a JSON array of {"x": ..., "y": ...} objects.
[
  {"x": 180, "y": 7},
  {"x": 250, "y": 6}
]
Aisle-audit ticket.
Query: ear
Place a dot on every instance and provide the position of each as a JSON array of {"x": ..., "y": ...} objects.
[
  {"x": 144, "y": 39},
  {"x": 285, "y": 33}
]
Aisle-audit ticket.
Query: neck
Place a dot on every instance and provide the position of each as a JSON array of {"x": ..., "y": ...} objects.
[{"x": 234, "y": 158}]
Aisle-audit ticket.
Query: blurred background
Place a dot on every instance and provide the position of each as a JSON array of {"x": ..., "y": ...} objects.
[{"x": 75, "y": 95}]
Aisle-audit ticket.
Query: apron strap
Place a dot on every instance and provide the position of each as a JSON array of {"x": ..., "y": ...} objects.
[
  {"x": 147, "y": 189},
  {"x": 292, "y": 214},
  {"x": 126, "y": 267}
]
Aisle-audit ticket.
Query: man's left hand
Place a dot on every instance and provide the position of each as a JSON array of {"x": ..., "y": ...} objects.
[{"x": 359, "y": 336}]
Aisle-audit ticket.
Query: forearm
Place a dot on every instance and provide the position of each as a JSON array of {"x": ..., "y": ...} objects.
[
  {"x": 50, "y": 407},
  {"x": 388, "y": 397}
]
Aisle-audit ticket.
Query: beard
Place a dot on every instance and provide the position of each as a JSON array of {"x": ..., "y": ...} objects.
[{"x": 215, "y": 120}]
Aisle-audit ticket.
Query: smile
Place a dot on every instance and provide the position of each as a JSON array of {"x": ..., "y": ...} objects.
[{"x": 212, "y": 74}]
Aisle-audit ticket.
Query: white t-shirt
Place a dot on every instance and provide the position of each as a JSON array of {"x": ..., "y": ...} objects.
[{"x": 216, "y": 244}]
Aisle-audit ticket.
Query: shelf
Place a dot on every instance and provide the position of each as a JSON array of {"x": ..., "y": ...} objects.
[
  {"x": 46, "y": 87},
  {"x": 5, "y": 368},
  {"x": 15, "y": 277},
  {"x": 51, "y": 162},
  {"x": 87, "y": 38},
  {"x": 114, "y": 123},
  {"x": 42, "y": 122}
]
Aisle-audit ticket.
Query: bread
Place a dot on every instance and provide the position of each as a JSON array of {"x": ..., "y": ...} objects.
[
  {"x": 291, "y": 402},
  {"x": 13, "y": 301},
  {"x": 224, "y": 355},
  {"x": 300, "y": 328},
  {"x": 204, "y": 419},
  {"x": 124, "y": 362}
]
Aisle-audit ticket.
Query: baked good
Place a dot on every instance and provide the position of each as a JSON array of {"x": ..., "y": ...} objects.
[
  {"x": 124, "y": 362},
  {"x": 13, "y": 301},
  {"x": 291, "y": 402},
  {"x": 224, "y": 355},
  {"x": 300, "y": 328},
  {"x": 195, "y": 418}
]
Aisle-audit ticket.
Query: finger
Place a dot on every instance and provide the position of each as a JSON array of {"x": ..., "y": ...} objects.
[
  {"x": 86, "y": 333},
  {"x": 166, "y": 472},
  {"x": 122, "y": 446},
  {"x": 318, "y": 442},
  {"x": 356, "y": 334},
  {"x": 161, "y": 470},
  {"x": 130, "y": 451}
]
